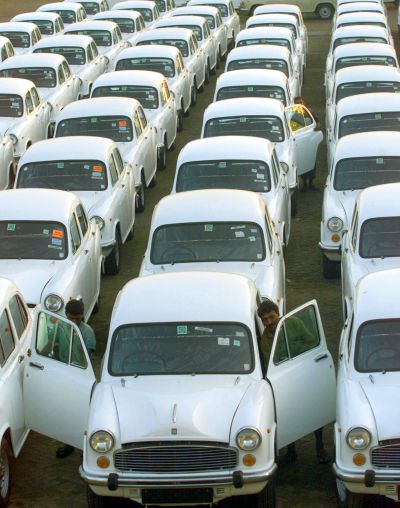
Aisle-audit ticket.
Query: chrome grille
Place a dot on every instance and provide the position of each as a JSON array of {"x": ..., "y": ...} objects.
[
  {"x": 386, "y": 456},
  {"x": 175, "y": 458}
]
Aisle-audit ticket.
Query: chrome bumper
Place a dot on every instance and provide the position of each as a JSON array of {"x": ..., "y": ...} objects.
[{"x": 369, "y": 477}]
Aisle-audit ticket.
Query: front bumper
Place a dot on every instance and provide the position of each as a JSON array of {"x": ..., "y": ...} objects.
[
  {"x": 330, "y": 251},
  {"x": 369, "y": 477}
]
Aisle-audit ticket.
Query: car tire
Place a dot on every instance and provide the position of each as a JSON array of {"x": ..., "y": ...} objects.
[
  {"x": 162, "y": 158},
  {"x": 329, "y": 268},
  {"x": 131, "y": 234},
  {"x": 218, "y": 65},
  {"x": 153, "y": 181},
  {"x": 140, "y": 195},
  {"x": 6, "y": 458},
  {"x": 95, "y": 501},
  {"x": 193, "y": 95},
  {"x": 112, "y": 262},
  {"x": 179, "y": 124},
  {"x": 345, "y": 498},
  {"x": 293, "y": 204},
  {"x": 325, "y": 11},
  {"x": 207, "y": 73}
]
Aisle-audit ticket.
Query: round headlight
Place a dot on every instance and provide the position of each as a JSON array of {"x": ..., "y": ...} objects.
[
  {"x": 248, "y": 439},
  {"x": 99, "y": 221},
  {"x": 53, "y": 303},
  {"x": 358, "y": 438},
  {"x": 101, "y": 441},
  {"x": 335, "y": 224},
  {"x": 14, "y": 139}
]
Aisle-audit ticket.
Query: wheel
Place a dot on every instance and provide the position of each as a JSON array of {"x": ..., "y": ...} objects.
[
  {"x": 153, "y": 181},
  {"x": 193, "y": 95},
  {"x": 5, "y": 472},
  {"x": 131, "y": 233},
  {"x": 179, "y": 126},
  {"x": 140, "y": 194},
  {"x": 162, "y": 158},
  {"x": 325, "y": 11},
  {"x": 207, "y": 73},
  {"x": 345, "y": 498},
  {"x": 95, "y": 501},
  {"x": 293, "y": 204},
  {"x": 113, "y": 260},
  {"x": 329, "y": 268},
  {"x": 218, "y": 65},
  {"x": 96, "y": 307},
  {"x": 264, "y": 499}
]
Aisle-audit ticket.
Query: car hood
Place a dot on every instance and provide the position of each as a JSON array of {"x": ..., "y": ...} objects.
[
  {"x": 6, "y": 124},
  {"x": 383, "y": 395},
  {"x": 46, "y": 93},
  {"x": 30, "y": 276},
  {"x": 198, "y": 407},
  {"x": 346, "y": 200}
]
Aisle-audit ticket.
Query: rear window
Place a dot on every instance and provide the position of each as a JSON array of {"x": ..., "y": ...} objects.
[
  {"x": 18, "y": 39},
  {"x": 380, "y": 238},
  {"x": 91, "y": 8},
  {"x": 367, "y": 122},
  {"x": 176, "y": 43},
  {"x": 270, "y": 92},
  {"x": 267, "y": 127},
  {"x": 100, "y": 37},
  {"x": 363, "y": 172},
  {"x": 11, "y": 105},
  {"x": 351, "y": 61},
  {"x": 146, "y": 95},
  {"x": 146, "y": 13},
  {"x": 117, "y": 128},
  {"x": 45, "y": 27},
  {"x": 350, "y": 40},
  {"x": 73, "y": 55},
  {"x": 259, "y": 63},
  {"x": 223, "y": 9},
  {"x": 362, "y": 87},
  {"x": 291, "y": 27},
  {"x": 68, "y": 17},
  {"x": 271, "y": 42},
  {"x": 165, "y": 66},
  {"x": 42, "y": 77},
  {"x": 127, "y": 26}
]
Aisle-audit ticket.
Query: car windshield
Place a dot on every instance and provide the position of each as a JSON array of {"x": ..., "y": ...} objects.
[
  {"x": 352, "y": 23},
  {"x": 351, "y": 40},
  {"x": 223, "y": 9},
  {"x": 378, "y": 346},
  {"x": 91, "y": 8},
  {"x": 264, "y": 40},
  {"x": 203, "y": 242},
  {"x": 181, "y": 348},
  {"x": 73, "y": 55},
  {"x": 234, "y": 92},
  {"x": 267, "y": 127},
  {"x": 127, "y": 26},
  {"x": 195, "y": 29},
  {"x": 100, "y": 37},
  {"x": 161, "y": 5},
  {"x": 380, "y": 238},
  {"x": 11, "y": 105},
  {"x": 146, "y": 95},
  {"x": 146, "y": 13},
  {"x": 259, "y": 63},
  {"x": 69, "y": 175},
  {"x": 43, "y": 77},
  {"x": 367, "y": 122},
  {"x": 45, "y": 27},
  {"x": 361, "y": 87},
  {"x": 163, "y": 65},
  {"x": 68, "y": 17},
  {"x": 351, "y": 61},
  {"x": 208, "y": 17},
  {"x": 117, "y": 128},
  {"x": 363, "y": 172},
  {"x": 18, "y": 39},
  {"x": 176, "y": 43},
  {"x": 32, "y": 240},
  {"x": 229, "y": 174},
  {"x": 291, "y": 27}
]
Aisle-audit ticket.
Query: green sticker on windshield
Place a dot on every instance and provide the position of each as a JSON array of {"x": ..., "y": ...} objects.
[
  {"x": 252, "y": 238},
  {"x": 242, "y": 119},
  {"x": 60, "y": 165},
  {"x": 378, "y": 116},
  {"x": 46, "y": 231},
  {"x": 181, "y": 330},
  {"x": 222, "y": 164},
  {"x": 10, "y": 227},
  {"x": 379, "y": 160},
  {"x": 208, "y": 227}
]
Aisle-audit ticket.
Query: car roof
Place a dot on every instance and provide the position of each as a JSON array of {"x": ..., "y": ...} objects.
[
  {"x": 117, "y": 14},
  {"x": 17, "y": 26},
  {"x": 359, "y": 30},
  {"x": 67, "y": 6},
  {"x": 149, "y": 50},
  {"x": 366, "y": 73},
  {"x": 364, "y": 48},
  {"x": 164, "y": 33},
  {"x": 33, "y": 60},
  {"x": 187, "y": 296},
  {"x": 207, "y": 2},
  {"x": 351, "y": 17},
  {"x": 365, "y": 103},
  {"x": 359, "y": 7},
  {"x": 244, "y": 106},
  {"x": 379, "y": 201},
  {"x": 258, "y": 51},
  {"x": 279, "y": 8},
  {"x": 91, "y": 24},
  {"x": 99, "y": 106},
  {"x": 266, "y": 77},
  {"x": 270, "y": 32},
  {"x": 368, "y": 144},
  {"x": 36, "y": 15},
  {"x": 130, "y": 77},
  {"x": 195, "y": 9},
  {"x": 68, "y": 148},
  {"x": 272, "y": 18},
  {"x": 130, "y": 4},
  {"x": 71, "y": 40},
  {"x": 180, "y": 20},
  {"x": 16, "y": 86}
]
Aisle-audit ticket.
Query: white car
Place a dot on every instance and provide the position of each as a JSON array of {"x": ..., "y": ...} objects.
[
  {"x": 222, "y": 163},
  {"x": 22, "y": 35},
  {"x": 219, "y": 230},
  {"x": 70, "y": 12},
  {"x": 253, "y": 83},
  {"x": 147, "y": 8},
  {"x": 183, "y": 39},
  {"x": 51, "y": 75},
  {"x": 360, "y": 161},
  {"x": 292, "y": 129},
  {"x": 82, "y": 56},
  {"x": 361, "y": 18},
  {"x": 366, "y": 431},
  {"x": 130, "y": 23},
  {"x": 6, "y": 48},
  {"x": 92, "y": 168},
  {"x": 106, "y": 35},
  {"x": 152, "y": 91},
  {"x": 168, "y": 61},
  {"x": 214, "y": 20},
  {"x": 229, "y": 17},
  {"x": 124, "y": 121},
  {"x": 49, "y": 23},
  {"x": 342, "y": 2},
  {"x": 7, "y": 166},
  {"x": 264, "y": 56},
  {"x": 92, "y": 7},
  {"x": 361, "y": 79},
  {"x": 188, "y": 381},
  {"x": 363, "y": 113},
  {"x": 23, "y": 115},
  {"x": 201, "y": 31},
  {"x": 359, "y": 7},
  {"x": 165, "y": 7},
  {"x": 49, "y": 248}
]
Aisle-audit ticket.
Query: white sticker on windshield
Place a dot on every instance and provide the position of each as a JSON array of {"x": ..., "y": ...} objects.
[
  {"x": 236, "y": 342},
  {"x": 60, "y": 165},
  {"x": 260, "y": 176},
  {"x": 240, "y": 334},
  {"x": 253, "y": 230},
  {"x": 275, "y": 128},
  {"x": 246, "y": 366},
  {"x": 45, "y": 232},
  {"x": 254, "y": 170},
  {"x": 379, "y": 160},
  {"x": 86, "y": 166},
  {"x": 181, "y": 330},
  {"x": 368, "y": 85},
  {"x": 265, "y": 188},
  {"x": 203, "y": 329},
  {"x": 237, "y": 227},
  {"x": 208, "y": 227},
  {"x": 378, "y": 116},
  {"x": 252, "y": 238},
  {"x": 242, "y": 119},
  {"x": 250, "y": 88},
  {"x": 222, "y": 164},
  {"x": 93, "y": 120},
  {"x": 259, "y": 256},
  {"x": 239, "y": 234},
  {"x": 10, "y": 227},
  {"x": 223, "y": 341}
]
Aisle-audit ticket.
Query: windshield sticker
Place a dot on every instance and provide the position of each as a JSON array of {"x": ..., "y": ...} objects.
[
  {"x": 379, "y": 160},
  {"x": 254, "y": 170},
  {"x": 265, "y": 187},
  {"x": 236, "y": 342},
  {"x": 238, "y": 227},
  {"x": 253, "y": 230},
  {"x": 15, "y": 104},
  {"x": 122, "y": 123},
  {"x": 97, "y": 175},
  {"x": 223, "y": 341},
  {"x": 240, "y": 334},
  {"x": 250, "y": 88},
  {"x": 57, "y": 233},
  {"x": 203, "y": 329},
  {"x": 239, "y": 234},
  {"x": 97, "y": 169},
  {"x": 56, "y": 241},
  {"x": 10, "y": 227},
  {"x": 86, "y": 166},
  {"x": 378, "y": 116},
  {"x": 246, "y": 366},
  {"x": 252, "y": 238},
  {"x": 208, "y": 227},
  {"x": 275, "y": 127},
  {"x": 181, "y": 330},
  {"x": 242, "y": 119},
  {"x": 260, "y": 176},
  {"x": 259, "y": 256},
  {"x": 46, "y": 231},
  {"x": 93, "y": 120},
  {"x": 368, "y": 85},
  {"x": 60, "y": 165},
  {"x": 222, "y": 164}
]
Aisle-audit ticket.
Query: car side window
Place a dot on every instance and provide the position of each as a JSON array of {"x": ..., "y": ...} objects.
[
  {"x": 350, "y": 336},
  {"x": 10, "y": 50},
  {"x": 60, "y": 74},
  {"x": 7, "y": 342},
  {"x": 113, "y": 171},
  {"x": 82, "y": 219},
  {"x": 219, "y": 20},
  {"x": 137, "y": 126},
  {"x": 269, "y": 233},
  {"x": 58, "y": 340},
  {"x": 191, "y": 46},
  {"x": 75, "y": 235},
  {"x": 18, "y": 315},
  {"x": 29, "y": 103},
  {"x": 4, "y": 53},
  {"x": 89, "y": 53},
  {"x": 118, "y": 161},
  {"x": 142, "y": 116},
  {"x": 67, "y": 70},
  {"x": 179, "y": 65},
  {"x": 355, "y": 228},
  {"x": 35, "y": 97},
  {"x": 34, "y": 38},
  {"x": 195, "y": 43},
  {"x": 230, "y": 7},
  {"x": 207, "y": 31},
  {"x": 275, "y": 169},
  {"x": 163, "y": 97}
]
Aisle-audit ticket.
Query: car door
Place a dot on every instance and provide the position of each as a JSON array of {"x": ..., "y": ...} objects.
[
  {"x": 120, "y": 195},
  {"x": 196, "y": 57},
  {"x": 302, "y": 375},
  {"x": 349, "y": 249},
  {"x": 306, "y": 136},
  {"x": 283, "y": 194},
  {"x": 72, "y": 84},
  {"x": 58, "y": 380},
  {"x": 168, "y": 112},
  {"x": 81, "y": 285},
  {"x": 147, "y": 143}
]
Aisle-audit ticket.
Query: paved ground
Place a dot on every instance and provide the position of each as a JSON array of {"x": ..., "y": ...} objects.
[{"x": 41, "y": 480}]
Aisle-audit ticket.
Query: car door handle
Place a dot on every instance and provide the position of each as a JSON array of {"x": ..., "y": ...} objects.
[
  {"x": 321, "y": 357},
  {"x": 36, "y": 365}
]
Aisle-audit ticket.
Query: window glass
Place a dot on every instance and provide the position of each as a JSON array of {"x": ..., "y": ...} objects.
[
  {"x": 196, "y": 29},
  {"x": 67, "y": 71},
  {"x": 298, "y": 118},
  {"x": 281, "y": 353},
  {"x": 380, "y": 238},
  {"x": 61, "y": 77},
  {"x": 4, "y": 53},
  {"x": 362, "y": 87},
  {"x": 67, "y": 16},
  {"x": 291, "y": 27},
  {"x": 142, "y": 117},
  {"x": 137, "y": 125},
  {"x": 350, "y": 40},
  {"x": 126, "y": 26},
  {"x": 146, "y": 95},
  {"x": 18, "y": 314},
  {"x": 34, "y": 37},
  {"x": 163, "y": 65},
  {"x": 268, "y": 230},
  {"x": 45, "y": 26},
  {"x": 73, "y": 55},
  {"x": 29, "y": 103},
  {"x": 267, "y": 127},
  {"x": 351, "y": 61},
  {"x": 17, "y": 39},
  {"x": 275, "y": 169},
  {"x": 113, "y": 170},
  {"x": 191, "y": 46},
  {"x": 95, "y": 51},
  {"x": 75, "y": 235},
  {"x": 363, "y": 172},
  {"x": 223, "y": 9},
  {"x": 146, "y": 14},
  {"x": 160, "y": 5},
  {"x": 267, "y": 91},
  {"x": 182, "y": 45},
  {"x": 91, "y": 8},
  {"x": 118, "y": 161},
  {"x": 117, "y": 128},
  {"x": 117, "y": 35},
  {"x": 367, "y": 122},
  {"x": 355, "y": 231},
  {"x": 259, "y": 63},
  {"x": 285, "y": 43},
  {"x": 352, "y": 23},
  {"x": 80, "y": 213},
  {"x": 6, "y": 337},
  {"x": 35, "y": 97},
  {"x": 101, "y": 37},
  {"x": 41, "y": 76},
  {"x": 11, "y": 105}
]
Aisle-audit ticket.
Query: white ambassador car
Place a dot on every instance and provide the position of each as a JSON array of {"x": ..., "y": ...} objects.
[
  {"x": 147, "y": 8},
  {"x": 92, "y": 7},
  {"x": 359, "y": 7},
  {"x": 6, "y": 48},
  {"x": 372, "y": 242},
  {"x": 124, "y": 121},
  {"x": 70, "y": 12},
  {"x": 366, "y": 430},
  {"x": 264, "y": 56},
  {"x": 236, "y": 162},
  {"x": 273, "y": 35},
  {"x": 168, "y": 61},
  {"x": 361, "y": 18},
  {"x": 50, "y": 249},
  {"x": 49, "y": 23},
  {"x": 152, "y": 91},
  {"x": 23, "y": 115},
  {"x": 82, "y": 56},
  {"x": 130, "y": 23},
  {"x": 360, "y": 161},
  {"x": 22, "y": 35},
  {"x": 361, "y": 79},
  {"x": 7, "y": 166},
  {"x": 51, "y": 75},
  {"x": 219, "y": 230},
  {"x": 253, "y": 83},
  {"x": 92, "y": 168},
  {"x": 180, "y": 386}
]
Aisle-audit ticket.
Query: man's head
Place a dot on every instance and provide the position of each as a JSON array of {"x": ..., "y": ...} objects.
[
  {"x": 268, "y": 312},
  {"x": 74, "y": 311}
]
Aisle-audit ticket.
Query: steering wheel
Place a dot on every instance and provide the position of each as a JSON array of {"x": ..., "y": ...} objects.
[
  {"x": 380, "y": 353},
  {"x": 143, "y": 357},
  {"x": 175, "y": 251}
]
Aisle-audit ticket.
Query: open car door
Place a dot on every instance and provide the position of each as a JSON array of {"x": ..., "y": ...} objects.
[
  {"x": 58, "y": 380},
  {"x": 302, "y": 375},
  {"x": 306, "y": 136}
]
